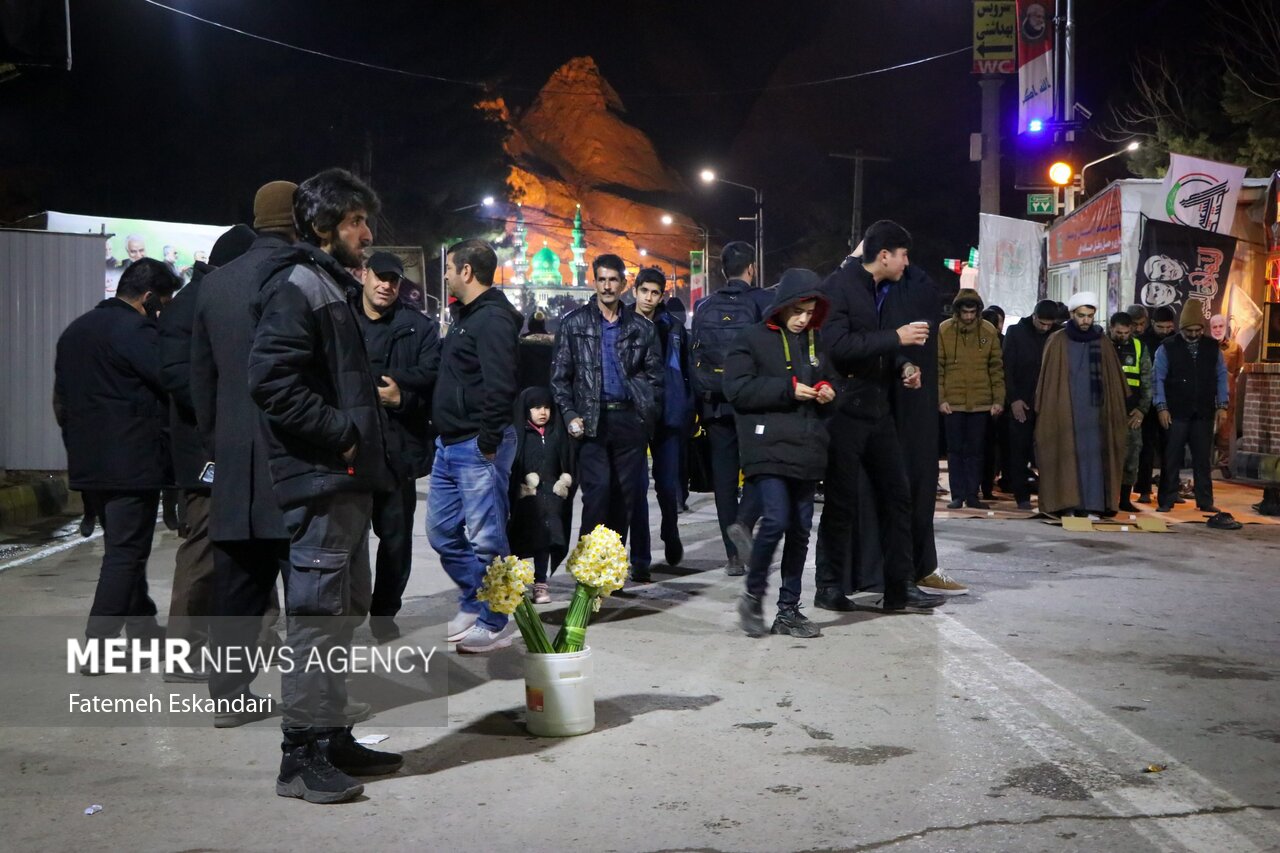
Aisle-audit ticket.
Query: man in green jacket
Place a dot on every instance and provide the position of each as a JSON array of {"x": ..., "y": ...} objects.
[{"x": 970, "y": 391}]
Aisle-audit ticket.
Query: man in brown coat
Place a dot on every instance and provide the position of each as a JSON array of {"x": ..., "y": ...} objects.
[
  {"x": 970, "y": 392},
  {"x": 1081, "y": 431}
]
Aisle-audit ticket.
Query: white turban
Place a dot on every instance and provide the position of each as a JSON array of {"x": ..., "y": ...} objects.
[{"x": 1082, "y": 298}]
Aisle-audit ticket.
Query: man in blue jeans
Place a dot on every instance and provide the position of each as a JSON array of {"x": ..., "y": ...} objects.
[{"x": 467, "y": 504}]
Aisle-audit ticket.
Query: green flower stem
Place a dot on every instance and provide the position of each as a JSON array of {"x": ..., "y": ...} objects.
[
  {"x": 573, "y": 632},
  {"x": 530, "y": 625}
]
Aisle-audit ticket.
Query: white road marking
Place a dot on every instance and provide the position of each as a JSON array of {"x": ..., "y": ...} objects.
[
  {"x": 50, "y": 550},
  {"x": 1097, "y": 752}
]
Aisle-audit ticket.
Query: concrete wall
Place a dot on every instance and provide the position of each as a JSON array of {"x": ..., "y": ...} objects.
[{"x": 46, "y": 281}]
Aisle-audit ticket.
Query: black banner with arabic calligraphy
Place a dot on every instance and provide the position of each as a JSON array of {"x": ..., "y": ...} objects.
[{"x": 1178, "y": 263}]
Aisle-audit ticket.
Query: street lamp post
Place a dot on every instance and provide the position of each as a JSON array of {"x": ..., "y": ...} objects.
[
  {"x": 487, "y": 201},
  {"x": 1128, "y": 149},
  {"x": 668, "y": 219},
  {"x": 710, "y": 177}
]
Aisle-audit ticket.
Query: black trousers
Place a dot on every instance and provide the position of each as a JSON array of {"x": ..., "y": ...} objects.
[
  {"x": 393, "y": 525},
  {"x": 1022, "y": 438},
  {"x": 121, "y": 600},
  {"x": 726, "y": 466},
  {"x": 1196, "y": 431},
  {"x": 995, "y": 453},
  {"x": 245, "y": 573},
  {"x": 613, "y": 472},
  {"x": 966, "y": 435},
  {"x": 1153, "y": 444},
  {"x": 875, "y": 446}
]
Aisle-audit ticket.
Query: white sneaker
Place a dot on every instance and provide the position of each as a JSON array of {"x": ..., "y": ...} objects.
[
  {"x": 481, "y": 639},
  {"x": 460, "y": 625}
]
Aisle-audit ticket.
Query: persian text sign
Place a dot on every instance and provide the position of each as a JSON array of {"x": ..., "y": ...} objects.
[
  {"x": 1201, "y": 193},
  {"x": 995, "y": 24},
  {"x": 1178, "y": 264},
  {"x": 1093, "y": 231}
]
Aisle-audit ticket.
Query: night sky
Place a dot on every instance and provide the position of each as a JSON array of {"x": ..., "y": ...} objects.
[{"x": 162, "y": 117}]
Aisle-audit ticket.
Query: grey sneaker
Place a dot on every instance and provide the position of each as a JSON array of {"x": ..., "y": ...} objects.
[
  {"x": 751, "y": 615},
  {"x": 482, "y": 640},
  {"x": 733, "y": 568},
  {"x": 792, "y": 622},
  {"x": 740, "y": 536},
  {"x": 460, "y": 625}
]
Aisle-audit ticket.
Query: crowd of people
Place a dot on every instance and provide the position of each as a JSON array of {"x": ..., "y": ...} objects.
[{"x": 301, "y": 401}]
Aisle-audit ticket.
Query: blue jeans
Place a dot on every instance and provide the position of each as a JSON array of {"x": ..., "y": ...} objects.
[
  {"x": 467, "y": 507},
  {"x": 788, "y": 511}
]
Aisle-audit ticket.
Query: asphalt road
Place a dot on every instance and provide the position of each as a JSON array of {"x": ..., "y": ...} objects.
[{"x": 1019, "y": 718}]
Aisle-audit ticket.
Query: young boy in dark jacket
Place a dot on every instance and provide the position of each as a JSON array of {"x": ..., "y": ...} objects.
[
  {"x": 776, "y": 378},
  {"x": 541, "y": 476}
]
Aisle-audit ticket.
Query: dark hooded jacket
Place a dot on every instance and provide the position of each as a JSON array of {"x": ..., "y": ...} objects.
[
  {"x": 673, "y": 344},
  {"x": 309, "y": 374},
  {"x": 779, "y": 435},
  {"x": 537, "y": 521}
]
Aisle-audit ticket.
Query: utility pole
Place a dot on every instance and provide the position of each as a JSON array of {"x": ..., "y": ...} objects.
[
  {"x": 989, "y": 187},
  {"x": 855, "y": 219},
  {"x": 1069, "y": 70}
]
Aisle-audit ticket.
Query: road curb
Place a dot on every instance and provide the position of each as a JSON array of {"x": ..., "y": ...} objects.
[{"x": 23, "y": 503}]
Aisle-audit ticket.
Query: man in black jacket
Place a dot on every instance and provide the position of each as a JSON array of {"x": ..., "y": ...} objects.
[
  {"x": 404, "y": 355},
  {"x": 192, "y": 599},
  {"x": 606, "y": 377},
  {"x": 246, "y": 526},
  {"x": 309, "y": 374},
  {"x": 862, "y": 430},
  {"x": 467, "y": 501},
  {"x": 717, "y": 321},
  {"x": 1023, "y": 351},
  {"x": 109, "y": 402}
]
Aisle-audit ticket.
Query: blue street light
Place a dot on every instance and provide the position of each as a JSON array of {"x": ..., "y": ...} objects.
[{"x": 1035, "y": 126}]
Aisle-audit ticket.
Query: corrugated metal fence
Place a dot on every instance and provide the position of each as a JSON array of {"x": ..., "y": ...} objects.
[{"x": 46, "y": 281}]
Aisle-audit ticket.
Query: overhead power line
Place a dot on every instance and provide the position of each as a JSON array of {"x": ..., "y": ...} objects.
[{"x": 477, "y": 84}]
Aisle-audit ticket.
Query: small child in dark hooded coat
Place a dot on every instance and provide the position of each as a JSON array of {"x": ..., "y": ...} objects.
[{"x": 541, "y": 479}]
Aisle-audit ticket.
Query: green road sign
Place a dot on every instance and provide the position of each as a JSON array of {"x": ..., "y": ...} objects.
[{"x": 1040, "y": 203}]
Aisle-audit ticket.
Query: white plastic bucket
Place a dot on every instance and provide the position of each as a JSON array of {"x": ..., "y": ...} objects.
[{"x": 559, "y": 699}]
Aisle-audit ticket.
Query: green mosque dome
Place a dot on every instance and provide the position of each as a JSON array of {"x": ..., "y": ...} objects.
[{"x": 545, "y": 267}]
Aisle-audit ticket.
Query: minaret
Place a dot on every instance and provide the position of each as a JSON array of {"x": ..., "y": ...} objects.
[
  {"x": 520, "y": 246},
  {"x": 579, "y": 262}
]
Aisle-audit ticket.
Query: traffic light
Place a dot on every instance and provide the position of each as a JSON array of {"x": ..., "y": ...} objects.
[{"x": 1061, "y": 173}]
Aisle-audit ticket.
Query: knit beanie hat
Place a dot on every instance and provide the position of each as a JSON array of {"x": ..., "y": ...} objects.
[
  {"x": 273, "y": 205},
  {"x": 1192, "y": 314}
]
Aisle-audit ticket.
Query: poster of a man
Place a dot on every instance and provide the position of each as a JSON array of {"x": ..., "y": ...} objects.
[
  {"x": 1034, "y": 23},
  {"x": 1158, "y": 293}
]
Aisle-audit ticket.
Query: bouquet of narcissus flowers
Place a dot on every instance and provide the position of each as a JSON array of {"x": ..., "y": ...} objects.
[
  {"x": 599, "y": 564},
  {"x": 503, "y": 589}
]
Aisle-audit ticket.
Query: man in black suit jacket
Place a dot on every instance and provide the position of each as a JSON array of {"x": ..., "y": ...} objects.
[{"x": 109, "y": 402}]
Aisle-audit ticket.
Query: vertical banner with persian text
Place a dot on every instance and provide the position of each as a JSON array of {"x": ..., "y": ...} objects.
[
  {"x": 995, "y": 43},
  {"x": 1035, "y": 62},
  {"x": 1012, "y": 254},
  {"x": 1178, "y": 264}
]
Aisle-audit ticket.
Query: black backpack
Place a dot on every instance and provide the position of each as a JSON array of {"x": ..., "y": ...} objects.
[{"x": 716, "y": 322}]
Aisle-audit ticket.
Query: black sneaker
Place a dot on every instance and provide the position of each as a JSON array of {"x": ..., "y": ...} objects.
[
  {"x": 955, "y": 504},
  {"x": 734, "y": 568},
  {"x": 916, "y": 601},
  {"x": 674, "y": 553},
  {"x": 356, "y": 759},
  {"x": 384, "y": 629},
  {"x": 792, "y": 622},
  {"x": 977, "y": 504},
  {"x": 87, "y": 523},
  {"x": 740, "y": 536},
  {"x": 641, "y": 574},
  {"x": 306, "y": 773},
  {"x": 751, "y": 615},
  {"x": 831, "y": 598}
]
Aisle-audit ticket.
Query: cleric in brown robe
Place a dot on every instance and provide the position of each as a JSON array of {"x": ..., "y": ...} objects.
[{"x": 1081, "y": 429}]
